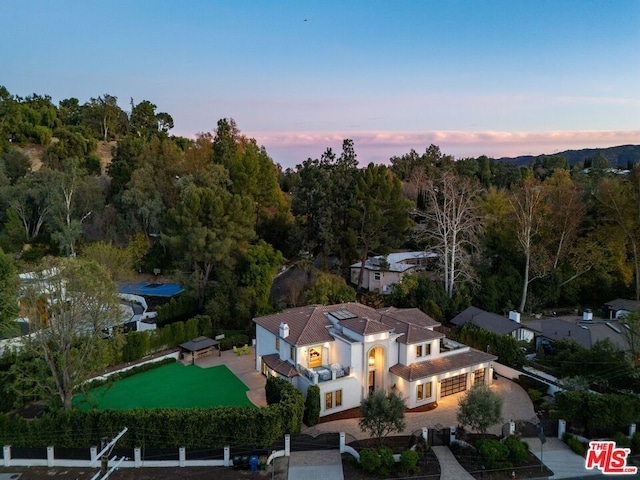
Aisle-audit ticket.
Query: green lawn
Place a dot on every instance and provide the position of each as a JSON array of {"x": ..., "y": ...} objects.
[{"x": 169, "y": 386}]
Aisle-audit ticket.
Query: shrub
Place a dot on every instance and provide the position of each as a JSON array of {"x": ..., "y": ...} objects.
[
  {"x": 534, "y": 394},
  {"x": 312, "y": 406},
  {"x": 409, "y": 462},
  {"x": 237, "y": 340},
  {"x": 622, "y": 441},
  {"x": 386, "y": 459},
  {"x": 635, "y": 443},
  {"x": 370, "y": 460},
  {"x": 273, "y": 389},
  {"x": 518, "y": 450},
  {"x": 137, "y": 346},
  {"x": 574, "y": 444},
  {"x": 494, "y": 454}
]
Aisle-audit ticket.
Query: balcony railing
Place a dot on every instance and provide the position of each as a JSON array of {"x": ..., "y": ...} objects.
[{"x": 323, "y": 373}]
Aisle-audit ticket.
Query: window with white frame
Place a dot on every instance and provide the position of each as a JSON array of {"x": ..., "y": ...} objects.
[{"x": 376, "y": 275}]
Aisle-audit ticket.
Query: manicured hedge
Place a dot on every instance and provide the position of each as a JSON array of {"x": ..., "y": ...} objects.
[{"x": 161, "y": 428}]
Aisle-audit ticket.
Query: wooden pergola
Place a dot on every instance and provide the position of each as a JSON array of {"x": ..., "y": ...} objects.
[{"x": 199, "y": 347}]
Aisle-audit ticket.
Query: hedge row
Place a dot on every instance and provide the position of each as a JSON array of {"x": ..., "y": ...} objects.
[
  {"x": 593, "y": 411},
  {"x": 129, "y": 373},
  {"x": 161, "y": 428}
]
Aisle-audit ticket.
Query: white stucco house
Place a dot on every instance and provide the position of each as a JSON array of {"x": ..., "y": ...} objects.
[
  {"x": 383, "y": 271},
  {"x": 350, "y": 349}
]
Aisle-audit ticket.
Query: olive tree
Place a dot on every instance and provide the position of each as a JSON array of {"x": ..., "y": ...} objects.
[
  {"x": 382, "y": 413},
  {"x": 480, "y": 408}
]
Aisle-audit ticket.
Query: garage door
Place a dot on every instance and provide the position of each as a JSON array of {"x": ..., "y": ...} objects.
[{"x": 453, "y": 385}]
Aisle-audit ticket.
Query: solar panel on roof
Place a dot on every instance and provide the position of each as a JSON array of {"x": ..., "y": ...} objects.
[{"x": 343, "y": 314}]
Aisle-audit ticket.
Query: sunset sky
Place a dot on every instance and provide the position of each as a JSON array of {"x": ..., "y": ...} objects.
[{"x": 500, "y": 78}]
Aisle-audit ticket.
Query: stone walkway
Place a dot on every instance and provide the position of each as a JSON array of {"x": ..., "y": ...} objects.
[{"x": 450, "y": 469}]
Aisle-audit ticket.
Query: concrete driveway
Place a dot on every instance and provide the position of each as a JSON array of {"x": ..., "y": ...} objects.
[{"x": 517, "y": 406}]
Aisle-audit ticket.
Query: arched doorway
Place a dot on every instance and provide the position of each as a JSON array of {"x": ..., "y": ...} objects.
[{"x": 375, "y": 369}]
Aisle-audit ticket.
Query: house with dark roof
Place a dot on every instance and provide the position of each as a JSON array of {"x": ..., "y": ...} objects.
[
  {"x": 381, "y": 272},
  {"x": 621, "y": 307},
  {"x": 349, "y": 350},
  {"x": 496, "y": 323},
  {"x": 585, "y": 330}
]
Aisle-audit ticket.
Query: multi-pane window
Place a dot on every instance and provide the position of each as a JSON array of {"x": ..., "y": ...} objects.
[
  {"x": 292, "y": 353},
  {"x": 376, "y": 276},
  {"x": 278, "y": 343},
  {"x": 478, "y": 376},
  {"x": 423, "y": 391},
  {"x": 423, "y": 350},
  {"x": 329, "y": 398}
]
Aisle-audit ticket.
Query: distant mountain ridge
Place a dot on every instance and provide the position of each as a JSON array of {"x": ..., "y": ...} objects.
[{"x": 619, "y": 156}]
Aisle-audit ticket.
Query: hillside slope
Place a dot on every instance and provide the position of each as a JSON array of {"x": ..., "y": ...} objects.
[
  {"x": 35, "y": 153},
  {"x": 619, "y": 156}
]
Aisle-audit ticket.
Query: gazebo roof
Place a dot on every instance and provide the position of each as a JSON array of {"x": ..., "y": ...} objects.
[{"x": 199, "y": 343}]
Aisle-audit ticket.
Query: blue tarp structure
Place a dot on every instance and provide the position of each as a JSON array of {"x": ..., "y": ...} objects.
[{"x": 150, "y": 289}]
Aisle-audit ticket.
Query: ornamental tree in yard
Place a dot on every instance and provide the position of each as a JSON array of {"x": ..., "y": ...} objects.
[
  {"x": 382, "y": 413},
  {"x": 69, "y": 302},
  {"x": 480, "y": 408}
]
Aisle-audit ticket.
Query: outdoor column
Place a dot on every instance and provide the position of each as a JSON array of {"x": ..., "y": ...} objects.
[
  {"x": 182, "y": 456},
  {"x": 7, "y": 455},
  {"x": 227, "y": 456},
  {"x": 137, "y": 457},
  {"x": 632, "y": 430},
  {"x": 287, "y": 445},
  {"x": 50, "y": 458},
  {"x": 94, "y": 454},
  {"x": 512, "y": 427},
  {"x": 342, "y": 442},
  {"x": 452, "y": 435},
  {"x": 562, "y": 427},
  {"x": 425, "y": 434}
]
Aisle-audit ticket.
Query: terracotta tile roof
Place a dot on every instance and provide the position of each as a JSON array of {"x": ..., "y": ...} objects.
[
  {"x": 365, "y": 326},
  {"x": 309, "y": 325},
  {"x": 282, "y": 367},
  {"x": 411, "y": 333},
  {"x": 410, "y": 315},
  {"x": 438, "y": 365}
]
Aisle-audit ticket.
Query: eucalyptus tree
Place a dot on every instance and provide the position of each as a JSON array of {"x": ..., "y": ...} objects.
[
  {"x": 620, "y": 198},
  {"x": 451, "y": 225},
  {"x": 528, "y": 203}
]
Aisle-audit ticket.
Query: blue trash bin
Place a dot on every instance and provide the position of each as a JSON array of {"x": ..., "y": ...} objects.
[{"x": 253, "y": 463}]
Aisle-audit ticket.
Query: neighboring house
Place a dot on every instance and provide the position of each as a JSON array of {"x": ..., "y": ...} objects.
[
  {"x": 621, "y": 307},
  {"x": 496, "y": 323},
  {"x": 15, "y": 341},
  {"x": 140, "y": 299},
  {"x": 350, "y": 350},
  {"x": 381, "y": 272},
  {"x": 585, "y": 330}
]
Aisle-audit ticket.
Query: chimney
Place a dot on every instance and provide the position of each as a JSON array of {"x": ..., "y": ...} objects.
[
  {"x": 284, "y": 330},
  {"x": 587, "y": 315},
  {"x": 515, "y": 316}
]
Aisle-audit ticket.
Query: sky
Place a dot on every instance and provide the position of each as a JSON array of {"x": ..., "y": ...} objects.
[{"x": 495, "y": 78}]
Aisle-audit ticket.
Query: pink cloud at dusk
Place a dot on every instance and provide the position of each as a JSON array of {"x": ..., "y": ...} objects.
[{"x": 289, "y": 149}]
